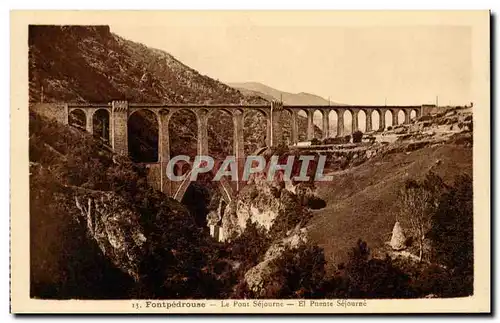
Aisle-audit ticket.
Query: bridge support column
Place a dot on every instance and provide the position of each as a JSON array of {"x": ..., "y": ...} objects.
[
  {"x": 295, "y": 128},
  {"x": 310, "y": 125},
  {"x": 354, "y": 121},
  {"x": 164, "y": 151},
  {"x": 369, "y": 126},
  {"x": 382, "y": 120},
  {"x": 118, "y": 123},
  {"x": 89, "y": 124},
  {"x": 340, "y": 123},
  {"x": 277, "y": 131},
  {"x": 407, "y": 116},
  {"x": 325, "y": 124},
  {"x": 238, "y": 144},
  {"x": 269, "y": 133},
  {"x": 202, "y": 133},
  {"x": 394, "y": 118}
]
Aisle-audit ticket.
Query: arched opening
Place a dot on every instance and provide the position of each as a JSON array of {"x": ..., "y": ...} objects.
[
  {"x": 286, "y": 127},
  {"x": 388, "y": 119},
  {"x": 362, "y": 121},
  {"x": 78, "y": 119},
  {"x": 332, "y": 123},
  {"x": 100, "y": 121},
  {"x": 347, "y": 122},
  {"x": 254, "y": 131},
  {"x": 220, "y": 134},
  {"x": 197, "y": 200},
  {"x": 302, "y": 125},
  {"x": 143, "y": 136},
  {"x": 318, "y": 124},
  {"x": 183, "y": 132},
  {"x": 401, "y": 117},
  {"x": 413, "y": 114},
  {"x": 375, "y": 120}
]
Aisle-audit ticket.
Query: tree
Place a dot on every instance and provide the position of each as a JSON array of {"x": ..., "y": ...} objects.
[
  {"x": 357, "y": 136},
  {"x": 417, "y": 205}
]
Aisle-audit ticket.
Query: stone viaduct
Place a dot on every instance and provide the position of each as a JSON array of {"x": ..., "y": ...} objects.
[{"x": 119, "y": 113}]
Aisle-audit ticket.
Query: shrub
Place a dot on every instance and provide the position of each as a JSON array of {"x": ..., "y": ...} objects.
[
  {"x": 357, "y": 136},
  {"x": 315, "y": 141}
]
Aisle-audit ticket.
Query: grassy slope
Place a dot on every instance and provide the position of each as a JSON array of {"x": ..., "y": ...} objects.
[{"x": 361, "y": 200}]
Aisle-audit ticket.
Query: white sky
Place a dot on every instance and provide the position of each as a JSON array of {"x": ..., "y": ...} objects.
[{"x": 406, "y": 64}]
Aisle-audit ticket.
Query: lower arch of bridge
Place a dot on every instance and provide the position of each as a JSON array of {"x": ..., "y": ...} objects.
[
  {"x": 78, "y": 118},
  {"x": 183, "y": 133},
  {"x": 286, "y": 127},
  {"x": 142, "y": 136},
  {"x": 255, "y": 130},
  {"x": 362, "y": 120},
  {"x": 302, "y": 125},
  {"x": 347, "y": 122},
  {"x": 413, "y": 114},
  {"x": 401, "y": 116},
  {"x": 318, "y": 124},
  {"x": 332, "y": 123},
  {"x": 220, "y": 133},
  {"x": 388, "y": 119},
  {"x": 100, "y": 121},
  {"x": 375, "y": 120}
]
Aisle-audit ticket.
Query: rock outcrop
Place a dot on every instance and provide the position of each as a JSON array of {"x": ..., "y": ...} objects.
[
  {"x": 115, "y": 228},
  {"x": 398, "y": 239},
  {"x": 263, "y": 274}
]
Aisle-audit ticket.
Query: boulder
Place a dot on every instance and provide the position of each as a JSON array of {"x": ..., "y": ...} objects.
[{"x": 398, "y": 239}]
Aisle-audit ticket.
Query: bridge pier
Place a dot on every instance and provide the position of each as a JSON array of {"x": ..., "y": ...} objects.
[
  {"x": 276, "y": 126},
  {"x": 407, "y": 116},
  {"x": 238, "y": 144},
  {"x": 340, "y": 123},
  {"x": 295, "y": 128},
  {"x": 164, "y": 150},
  {"x": 202, "y": 117},
  {"x": 369, "y": 121},
  {"x": 325, "y": 124},
  {"x": 382, "y": 119},
  {"x": 89, "y": 124},
  {"x": 394, "y": 117},
  {"x": 354, "y": 115},
  {"x": 119, "y": 132},
  {"x": 310, "y": 125}
]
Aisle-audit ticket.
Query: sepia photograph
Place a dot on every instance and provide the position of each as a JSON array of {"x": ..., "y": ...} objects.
[{"x": 269, "y": 162}]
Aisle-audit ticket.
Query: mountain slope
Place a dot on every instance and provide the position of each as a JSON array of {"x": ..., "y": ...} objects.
[
  {"x": 252, "y": 89},
  {"x": 89, "y": 63}
]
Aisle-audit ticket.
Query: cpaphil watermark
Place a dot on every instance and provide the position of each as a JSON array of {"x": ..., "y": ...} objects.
[{"x": 291, "y": 169}]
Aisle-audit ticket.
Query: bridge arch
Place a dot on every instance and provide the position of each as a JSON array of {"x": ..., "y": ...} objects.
[
  {"x": 286, "y": 122},
  {"x": 101, "y": 124},
  {"x": 220, "y": 133},
  {"x": 183, "y": 136},
  {"x": 362, "y": 120},
  {"x": 256, "y": 130},
  {"x": 302, "y": 125},
  {"x": 142, "y": 142},
  {"x": 318, "y": 123},
  {"x": 375, "y": 119},
  {"x": 413, "y": 114},
  {"x": 333, "y": 119},
  {"x": 347, "y": 122},
  {"x": 388, "y": 118},
  {"x": 401, "y": 116},
  {"x": 78, "y": 118}
]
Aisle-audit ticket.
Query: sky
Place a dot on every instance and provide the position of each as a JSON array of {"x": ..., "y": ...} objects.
[{"x": 351, "y": 64}]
